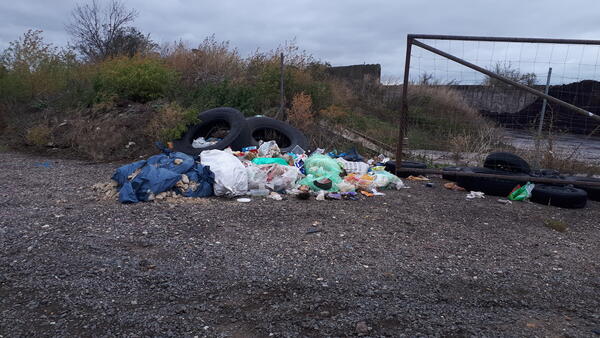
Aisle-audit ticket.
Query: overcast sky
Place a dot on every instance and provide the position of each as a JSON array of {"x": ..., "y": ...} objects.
[{"x": 340, "y": 32}]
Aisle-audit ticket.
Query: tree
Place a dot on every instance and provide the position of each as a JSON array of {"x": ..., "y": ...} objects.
[
  {"x": 28, "y": 53},
  {"x": 99, "y": 33},
  {"x": 508, "y": 71}
]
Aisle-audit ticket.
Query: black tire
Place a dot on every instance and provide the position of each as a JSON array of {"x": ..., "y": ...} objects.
[
  {"x": 506, "y": 162},
  {"x": 488, "y": 185},
  {"x": 390, "y": 166},
  {"x": 449, "y": 172},
  {"x": 268, "y": 129},
  {"x": 237, "y": 138},
  {"x": 559, "y": 196},
  {"x": 546, "y": 173},
  {"x": 579, "y": 182}
]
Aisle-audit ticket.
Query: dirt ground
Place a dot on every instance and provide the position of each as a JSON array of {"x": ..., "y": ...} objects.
[{"x": 416, "y": 262}]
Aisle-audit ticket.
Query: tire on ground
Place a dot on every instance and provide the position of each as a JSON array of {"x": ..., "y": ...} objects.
[
  {"x": 449, "y": 172},
  {"x": 546, "y": 173},
  {"x": 559, "y": 196},
  {"x": 210, "y": 121},
  {"x": 489, "y": 185},
  {"x": 390, "y": 166},
  {"x": 592, "y": 191},
  {"x": 506, "y": 162},
  {"x": 268, "y": 129}
]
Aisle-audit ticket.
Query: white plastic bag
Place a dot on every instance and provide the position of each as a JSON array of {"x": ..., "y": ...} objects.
[
  {"x": 282, "y": 177},
  {"x": 353, "y": 167},
  {"x": 257, "y": 178},
  {"x": 268, "y": 149},
  {"x": 231, "y": 178}
]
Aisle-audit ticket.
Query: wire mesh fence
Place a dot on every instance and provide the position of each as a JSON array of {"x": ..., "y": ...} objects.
[{"x": 456, "y": 115}]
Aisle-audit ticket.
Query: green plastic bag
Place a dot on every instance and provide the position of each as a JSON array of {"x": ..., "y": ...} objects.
[
  {"x": 319, "y": 166},
  {"x": 324, "y": 162},
  {"x": 522, "y": 193},
  {"x": 269, "y": 160}
]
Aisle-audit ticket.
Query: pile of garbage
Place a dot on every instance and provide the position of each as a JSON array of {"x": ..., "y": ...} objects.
[{"x": 262, "y": 170}]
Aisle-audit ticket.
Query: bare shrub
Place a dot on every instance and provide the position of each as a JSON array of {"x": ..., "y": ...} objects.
[
  {"x": 210, "y": 62},
  {"x": 301, "y": 114}
]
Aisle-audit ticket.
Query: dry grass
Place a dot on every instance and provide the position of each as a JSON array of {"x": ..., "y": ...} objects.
[
  {"x": 39, "y": 135},
  {"x": 209, "y": 62}
]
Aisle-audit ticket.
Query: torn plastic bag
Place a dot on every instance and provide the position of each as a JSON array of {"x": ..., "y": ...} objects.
[
  {"x": 387, "y": 180},
  {"x": 353, "y": 156},
  {"x": 174, "y": 161},
  {"x": 201, "y": 182},
  {"x": 231, "y": 178},
  {"x": 126, "y": 194},
  {"x": 353, "y": 167},
  {"x": 282, "y": 177},
  {"x": 149, "y": 182},
  {"x": 269, "y": 149},
  {"x": 257, "y": 178},
  {"x": 276, "y": 177},
  {"x": 121, "y": 175},
  {"x": 318, "y": 175},
  {"x": 317, "y": 162}
]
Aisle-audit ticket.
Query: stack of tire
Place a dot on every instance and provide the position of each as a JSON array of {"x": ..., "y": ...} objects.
[
  {"x": 508, "y": 164},
  {"x": 242, "y": 132}
]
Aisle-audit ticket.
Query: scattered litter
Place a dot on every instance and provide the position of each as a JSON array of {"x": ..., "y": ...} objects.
[
  {"x": 262, "y": 171},
  {"x": 43, "y": 164},
  {"x": 243, "y": 200},
  {"x": 453, "y": 186},
  {"x": 429, "y": 185},
  {"x": 334, "y": 196},
  {"x": 475, "y": 194},
  {"x": 268, "y": 149},
  {"x": 200, "y": 142},
  {"x": 503, "y": 201},
  {"x": 377, "y": 193},
  {"x": 275, "y": 196},
  {"x": 417, "y": 178},
  {"x": 321, "y": 195},
  {"x": 521, "y": 193},
  {"x": 312, "y": 231}
]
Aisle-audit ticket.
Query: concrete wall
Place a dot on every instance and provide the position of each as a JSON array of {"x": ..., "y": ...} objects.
[
  {"x": 358, "y": 74},
  {"x": 498, "y": 100}
]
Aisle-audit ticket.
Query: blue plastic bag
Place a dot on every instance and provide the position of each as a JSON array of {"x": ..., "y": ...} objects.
[
  {"x": 122, "y": 173},
  {"x": 167, "y": 161},
  {"x": 204, "y": 179},
  {"x": 152, "y": 180}
]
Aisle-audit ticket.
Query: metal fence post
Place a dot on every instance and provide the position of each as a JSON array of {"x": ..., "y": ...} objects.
[
  {"x": 543, "y": 112},
  {"x": 403, "y": 123}
]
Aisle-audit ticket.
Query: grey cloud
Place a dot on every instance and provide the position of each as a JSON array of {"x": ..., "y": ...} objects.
[{"x": 340, "y": 32}]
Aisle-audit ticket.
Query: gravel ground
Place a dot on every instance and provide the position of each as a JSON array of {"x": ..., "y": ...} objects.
[{"x": 420, "y": 261}]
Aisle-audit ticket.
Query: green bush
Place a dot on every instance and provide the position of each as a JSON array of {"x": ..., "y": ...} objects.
[
  {"x": 225, "y": 94},
  {"x": 169, "y": 122},
  {"x": 140, "y": 79}
]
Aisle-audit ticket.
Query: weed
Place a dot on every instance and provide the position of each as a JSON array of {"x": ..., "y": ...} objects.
[{"x": 556, "y": 225}]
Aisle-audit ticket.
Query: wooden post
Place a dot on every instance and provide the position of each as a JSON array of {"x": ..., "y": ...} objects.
[{"x": 281, "y": 112}]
